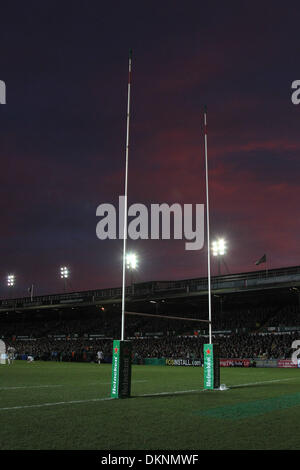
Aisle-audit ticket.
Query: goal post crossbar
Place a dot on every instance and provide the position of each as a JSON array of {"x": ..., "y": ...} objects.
[{"x": 168, "y": 317}]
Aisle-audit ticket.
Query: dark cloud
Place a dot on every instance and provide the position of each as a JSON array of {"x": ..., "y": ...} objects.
[{"x": 62, "y": 133}]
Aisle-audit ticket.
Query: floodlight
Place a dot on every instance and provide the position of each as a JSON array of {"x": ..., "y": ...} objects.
[
  {"x": 64, "y": 272},
  {"x": 131, "y": 261},
  {"x": 219, "y": 247},
  {"x": 11, "y": 280}
]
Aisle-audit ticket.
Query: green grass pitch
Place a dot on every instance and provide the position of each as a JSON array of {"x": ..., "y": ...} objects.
[{"x": 49, "y": 405}]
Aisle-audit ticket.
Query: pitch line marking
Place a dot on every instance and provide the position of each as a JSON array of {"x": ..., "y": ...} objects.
[
  {"x": 259, "y": 383},
  {"x": 108, "y": 383},
  {"x": 55, "y": 404},
  {"x": 29, "y": 386},
  {"x": 204, "y": 390},
  {"x": 22, "y": 387},
  {"x": 41, "y": 405}
]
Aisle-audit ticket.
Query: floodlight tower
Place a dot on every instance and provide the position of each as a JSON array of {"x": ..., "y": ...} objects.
[
  {"x": 64, "y": 274},
  {"x": 219, "y": 249},
  {"x": 131, "y": 261},
  {"x": 11, "y": 280},
  {"x": 131, "y": 265}
]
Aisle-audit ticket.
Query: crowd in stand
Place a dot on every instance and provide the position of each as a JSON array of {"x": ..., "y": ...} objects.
[
  {"x": 266, "y": 346},
  {"x": 173, "y": 339}
]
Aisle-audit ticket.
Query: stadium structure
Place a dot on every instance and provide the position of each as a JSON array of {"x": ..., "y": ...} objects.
[{"x": 261, "y": 303}]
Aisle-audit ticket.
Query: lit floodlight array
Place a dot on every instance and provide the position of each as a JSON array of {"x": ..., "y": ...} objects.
[
  {"x": 64, "y": 272},
  {"x": 10, "y": 280},
  {"x": 131, "y": 261},
  {"x": 219, "y": 247}
]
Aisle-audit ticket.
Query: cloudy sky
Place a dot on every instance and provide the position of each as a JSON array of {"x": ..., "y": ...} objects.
[{"x": 63, "y": 131}]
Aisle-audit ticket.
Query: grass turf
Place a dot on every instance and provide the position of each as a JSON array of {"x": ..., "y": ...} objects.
[{"x": 49, "y": 405}]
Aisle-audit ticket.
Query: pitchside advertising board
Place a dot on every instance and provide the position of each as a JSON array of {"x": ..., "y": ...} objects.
[
  {"x": 183, "y": 362},
  {"x": 211, "y": 366},
  {"x": 121, "y": 369},
  {"x": 287, "y": 363}
]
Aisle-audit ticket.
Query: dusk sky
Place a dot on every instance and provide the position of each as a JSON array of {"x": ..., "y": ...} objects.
[{"x": 63, "y": 134}]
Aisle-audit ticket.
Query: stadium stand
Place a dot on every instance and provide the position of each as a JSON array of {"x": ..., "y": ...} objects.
[
  {"x": 254, "y": 316},
  {"x": 240, "y": 335}
]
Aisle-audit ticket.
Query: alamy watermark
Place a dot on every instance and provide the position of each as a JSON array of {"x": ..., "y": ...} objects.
[
  {"x": 296, "y": 93},
  {"x": 296, "y": 345},
  {"x": 2, "y": 92},
  {"x": 188, "y": 222}
]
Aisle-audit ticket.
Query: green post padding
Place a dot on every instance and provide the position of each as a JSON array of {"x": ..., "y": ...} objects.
[
  {"x": 121, "y": 369},
  {"x": 211, "y": 366}
]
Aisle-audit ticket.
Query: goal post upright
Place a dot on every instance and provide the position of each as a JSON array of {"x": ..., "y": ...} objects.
[
  {"x": 121, "y": 356},
  {"x": 207, "y": 225},
  {"x": 211, "y": 358}
]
